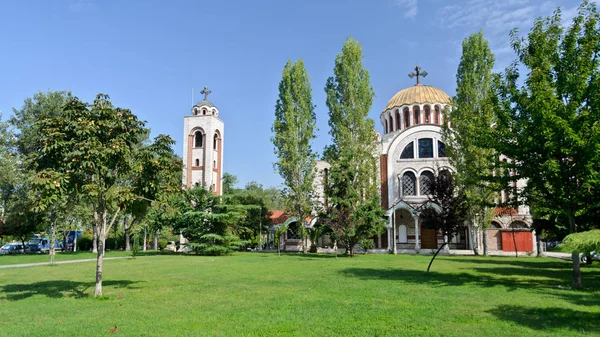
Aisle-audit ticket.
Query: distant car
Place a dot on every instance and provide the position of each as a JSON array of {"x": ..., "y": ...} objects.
[
  {"x": 12, "y": 248},
  {"x": 34, "y": 248},
  {"x": 595, "y": 256}
]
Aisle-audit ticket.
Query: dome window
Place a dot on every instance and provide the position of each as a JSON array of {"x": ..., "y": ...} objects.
[
  {"x": 406, "y": 118},
  {"x": 437, "y": 115},
  {"x": 408, "y": 152},
  {"x": 397, "y": 119},
  {"x": 427, "y": 115},
  {"x": 425, "y": 148},
  {"x": 416, "y": 113}
]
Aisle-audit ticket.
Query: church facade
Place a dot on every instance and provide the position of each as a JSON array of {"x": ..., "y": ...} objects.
[{"x": 412, "y": 153}]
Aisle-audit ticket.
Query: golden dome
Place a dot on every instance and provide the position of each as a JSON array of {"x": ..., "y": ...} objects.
[{"x": 418, "y": 94}]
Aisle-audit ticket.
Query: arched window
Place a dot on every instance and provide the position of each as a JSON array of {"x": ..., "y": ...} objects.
[
  {"x": 426, "y": 182},
  {"x": 406, "y": 118},
  {"x": 402, "y": 237},
  {"x": 215, "y": 140},
  {"x": 197, "y": 162},
  {"x": 397, "y": 119},
  {"x": 518, "y": 224},
  {"x": 204, "y": 111},
  {"x": 442, "y": 150},
  {"x": 426, "y": 148},
  {"x": 416, "y": 113},
  {"x": 195, "y": 112},
  {"x": 409, "y": 184},
  {"x": 408, "y": 152},
  {"x": 386, "y": 126},
  {"x": 198, "y": 139},
  {"x": 495, "y": 225},
  {"x": 437, "y": 115},
  {"x": 427, "y": 115},
  {"x": 292, "y": 231}
]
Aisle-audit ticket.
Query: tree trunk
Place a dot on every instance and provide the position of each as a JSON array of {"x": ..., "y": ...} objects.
[
  {"x": 101, "y": 235},
  {"x": 475, "y": 240},
  {"x": 126, "y": 229},
  {"x": 145, "y": 238},
  {"x": 434, "y": 255},
  {"x": 538, "y": 243},
  {"x": 515, "y": 243},
  {"x": 576, "y": 271},
  {"x": 485, "y": 246},
  {"x": 75, "y": 240},
  {"x": 304, "y": 241},
  {"x": 156, "y": 240},
  {"x": 52, "y": 251},
  {"x": 99, "y": 260},
  {"x": 575, "y": 256},
  {"x": 95, "y": 236}
]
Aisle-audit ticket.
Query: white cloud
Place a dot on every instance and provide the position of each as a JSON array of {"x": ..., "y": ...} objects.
[{"x": 410, "y": 7}]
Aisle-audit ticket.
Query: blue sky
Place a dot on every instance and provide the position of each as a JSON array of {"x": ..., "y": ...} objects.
[{"x": 148, "y": 55}]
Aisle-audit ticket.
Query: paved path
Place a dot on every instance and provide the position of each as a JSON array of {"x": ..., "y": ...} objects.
[
  {"x": 559, "y": 255},
  {"x": 58, "y": 262}
]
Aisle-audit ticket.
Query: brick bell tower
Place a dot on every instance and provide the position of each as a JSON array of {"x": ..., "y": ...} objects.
[{"x": 203, "y": 146}]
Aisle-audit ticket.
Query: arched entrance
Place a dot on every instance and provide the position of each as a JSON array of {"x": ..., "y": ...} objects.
[{"x": 494, "y": 236}]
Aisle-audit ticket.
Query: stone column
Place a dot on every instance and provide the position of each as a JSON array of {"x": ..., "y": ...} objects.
[{"x": 417, "y": 242}]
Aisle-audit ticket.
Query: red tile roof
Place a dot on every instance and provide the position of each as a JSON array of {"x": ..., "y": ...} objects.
[
  {"x": 278, "y": 216},
  {"x": 505, "y": 211}
]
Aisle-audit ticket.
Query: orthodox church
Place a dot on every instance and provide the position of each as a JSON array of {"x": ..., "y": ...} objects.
[{"x": 412, "y": 152}]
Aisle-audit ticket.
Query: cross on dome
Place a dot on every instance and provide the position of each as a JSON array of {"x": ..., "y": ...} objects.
[
  {"x": 205, "y": 92},
  {"x": 418, "y": 74}
]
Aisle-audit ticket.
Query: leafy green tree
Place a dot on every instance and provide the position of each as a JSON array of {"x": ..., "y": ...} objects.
[
  {"x": 446, "y": 211},
  {"x": 20, "y": 217},
  {"x": 467, "y": 133},
  {"x": 294, "y": 129},
  {"x": 90, "y": 150},
  {"x": 353, "y": 210},
  {"x": 549, "y": 125},
  {"x": 229, "y": 182}
]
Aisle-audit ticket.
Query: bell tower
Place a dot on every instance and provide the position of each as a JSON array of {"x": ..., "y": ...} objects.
[{"x": 203, "y": 146}]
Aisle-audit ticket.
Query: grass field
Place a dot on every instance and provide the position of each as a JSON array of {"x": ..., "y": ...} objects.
[
  {"x": 255, "y": 294},
  {"x": 60, "y": 256}
]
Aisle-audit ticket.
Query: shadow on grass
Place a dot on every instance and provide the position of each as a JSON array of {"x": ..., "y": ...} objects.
[
  {"x": 525, "y": 262},
  {"x": 57, "y": 289},
  {"x": 549, "y": 318}
]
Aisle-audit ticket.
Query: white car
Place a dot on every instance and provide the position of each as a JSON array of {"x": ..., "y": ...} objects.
[
  {"x": 12, "y": 248},
  {"x": 595, "y": 256}
]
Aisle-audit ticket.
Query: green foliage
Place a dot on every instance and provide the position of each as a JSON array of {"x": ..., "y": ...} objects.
[
  {"x": 216, "y": 245},
  {"x": 294, "y": 129},
  {"x": 85, "y": 242},
  {"x": 353, "y": 211},
  {"x": 135, "y": 246},
  {"x": 469, "y": 128},
  {"x": 553, "y": 117},
  {"x": 162, "y": 244},
  {"x": 367, "y": 244},
  {"x": 583, "y": 242},
  {"x": 229, "y": 182},
  {"x": 446, "y": 211}
]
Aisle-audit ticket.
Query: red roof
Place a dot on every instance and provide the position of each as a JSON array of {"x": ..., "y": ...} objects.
[
  {"x": 505, "y": 211},
  {"x": 278, "y": 216}
]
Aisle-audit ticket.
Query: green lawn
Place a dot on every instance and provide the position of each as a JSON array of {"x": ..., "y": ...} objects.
[
  {"x": 256, "y": 294},
  {"x": 36, "y": 258}
]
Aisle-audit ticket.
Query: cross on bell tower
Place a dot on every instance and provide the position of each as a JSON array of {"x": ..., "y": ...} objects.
[
  {"x": 418, "y": 74},
  {"x": 205, "y": 92}
]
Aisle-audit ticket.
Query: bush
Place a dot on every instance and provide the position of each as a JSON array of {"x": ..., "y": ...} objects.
[
  {"x": 162, "y": 244},
  {"x": 367, "y": 244},
  {"x": 85, "y": 242}
]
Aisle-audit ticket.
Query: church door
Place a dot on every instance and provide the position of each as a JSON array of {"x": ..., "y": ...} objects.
[{"x": 428, "y": 239}]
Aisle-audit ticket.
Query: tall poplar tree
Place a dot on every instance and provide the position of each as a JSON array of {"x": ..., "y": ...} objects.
[
  {"x": 549, "y": 125},
  {"x": 354, "y": 212},
  {"x": 294, "y": 129},
  {"x": 467, "y": 135}
]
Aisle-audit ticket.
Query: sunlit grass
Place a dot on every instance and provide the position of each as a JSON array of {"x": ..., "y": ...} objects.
[{"x": 255, "y": 294}]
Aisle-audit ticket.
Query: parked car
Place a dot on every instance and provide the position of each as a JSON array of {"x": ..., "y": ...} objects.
[
  {"x": 594, "y": 255},
  {"x": 12, "y": 248}
]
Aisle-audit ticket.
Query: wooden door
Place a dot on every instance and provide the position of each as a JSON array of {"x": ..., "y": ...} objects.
[{"x": 428, "y": 239}]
